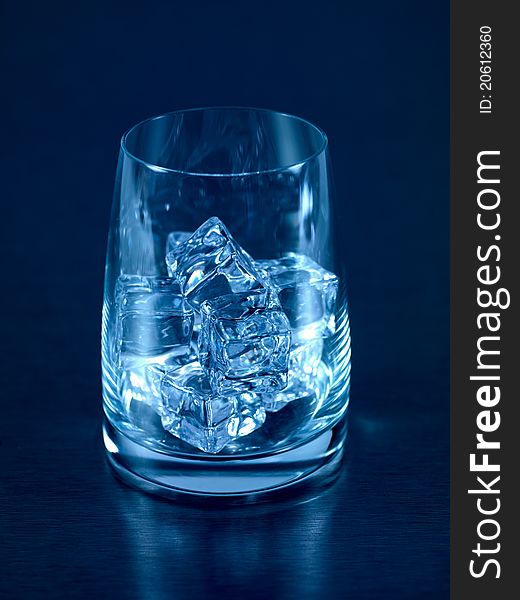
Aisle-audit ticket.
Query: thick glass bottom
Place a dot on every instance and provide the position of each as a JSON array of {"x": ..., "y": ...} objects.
[{"x": 170, "y": 475}]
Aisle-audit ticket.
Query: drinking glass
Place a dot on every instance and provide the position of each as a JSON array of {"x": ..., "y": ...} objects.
[{"x": 225, "y": 334}]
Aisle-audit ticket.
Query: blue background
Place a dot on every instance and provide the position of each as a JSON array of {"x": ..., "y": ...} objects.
[{"x": 375, "y": 77}]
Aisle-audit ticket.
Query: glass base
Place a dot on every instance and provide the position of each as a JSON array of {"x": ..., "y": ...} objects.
[{"x": 167, "y": 475}]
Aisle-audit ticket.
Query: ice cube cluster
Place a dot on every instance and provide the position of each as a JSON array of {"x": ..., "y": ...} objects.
[{"x": 224, "y": 338}]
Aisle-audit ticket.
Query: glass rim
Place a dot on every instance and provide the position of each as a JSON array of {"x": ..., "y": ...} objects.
[{"x": 154, "y": 167}]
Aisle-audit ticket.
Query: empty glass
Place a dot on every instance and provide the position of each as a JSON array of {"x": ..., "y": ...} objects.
[{"x": 226, "y": 340}]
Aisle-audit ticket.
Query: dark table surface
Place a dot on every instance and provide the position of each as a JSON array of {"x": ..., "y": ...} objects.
[{"x": 375, "y": 76}]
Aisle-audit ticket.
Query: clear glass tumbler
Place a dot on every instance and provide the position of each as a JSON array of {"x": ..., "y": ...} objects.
[{"x": 225, "y": 339}]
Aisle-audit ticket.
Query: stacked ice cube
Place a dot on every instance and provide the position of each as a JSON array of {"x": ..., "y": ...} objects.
[{"x": 223, "y": 339}]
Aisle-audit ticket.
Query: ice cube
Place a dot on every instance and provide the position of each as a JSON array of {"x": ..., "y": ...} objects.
[
  {"x": 192, "y": 412},
  {"x": 155, "y": 323},
  {"x": 142, "y": 384},
  {"x": 244, "y": 342},
  {"x": 211, "y": 264},
  {"x": 302, "y": 377},
  {"x": 307, "y": 293}
]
